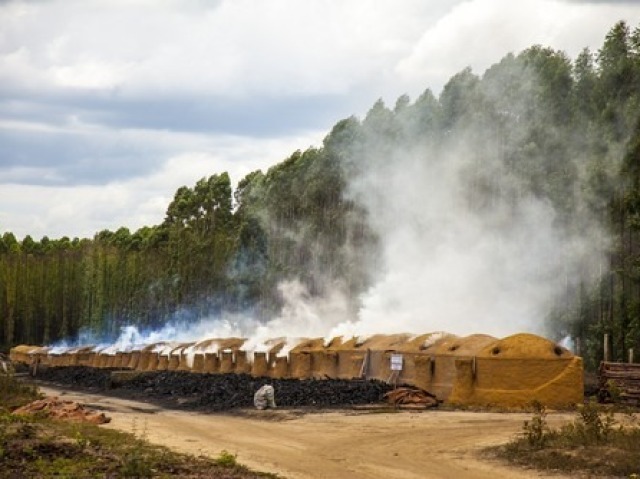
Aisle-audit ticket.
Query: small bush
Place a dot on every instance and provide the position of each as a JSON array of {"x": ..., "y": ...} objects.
[
  {"x": 592, "y": 442},
  {"x": 226, "y": 459},
  {"x": 536, "y": 431},
  {"x": 614, "y": 391},
  {"x": 592, "y": 426},
  {"x": 14, "y": 394},
  {"x": 81, "y": 440},
  {"x": 136, "y": 464}
]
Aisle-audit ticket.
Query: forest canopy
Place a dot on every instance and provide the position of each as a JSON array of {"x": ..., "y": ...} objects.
[{"x": 537, "y": 159}]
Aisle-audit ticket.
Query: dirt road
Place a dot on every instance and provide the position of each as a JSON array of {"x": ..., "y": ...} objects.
[{"x": 329, "y": 445}]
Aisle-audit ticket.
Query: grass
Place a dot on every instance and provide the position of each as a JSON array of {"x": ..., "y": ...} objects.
[
  {"x": 14, "y": 394},
  {"x": 226, "y": 459},
  {"x": 594, "y": 443},
  {"x": 37, "y": 447}
]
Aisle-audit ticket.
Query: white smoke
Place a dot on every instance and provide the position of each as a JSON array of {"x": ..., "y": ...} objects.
[
  {"x": 449, "y": 265},
  {"x": 302, "y": 316},
  {"x": 465, "y": 247}
]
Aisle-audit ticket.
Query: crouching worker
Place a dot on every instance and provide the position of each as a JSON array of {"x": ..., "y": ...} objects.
[{"x": 264, "y": 397}]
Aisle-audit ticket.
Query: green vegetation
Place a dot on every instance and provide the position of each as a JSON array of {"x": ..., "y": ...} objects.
[
  {"x": 226, "y": 459},
  {"x": 33, "y": 446},
  {"x": 566, "y": 132},
  {"x": 594, "y": 442},
  {"x": 14, "y": 394}
]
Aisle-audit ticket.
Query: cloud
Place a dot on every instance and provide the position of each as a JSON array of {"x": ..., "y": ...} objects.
[
  {"x": 76, "y": 154},
  {"x": 80, "y": 81},
  {"x": 107, "y": 93},
  {"x": 235, "y": 48},
  {"x": 91, "y": 153},
  {"x": 56, "y": 210},
  {"x": 600, "y": 2},
  {"x": 478, "y": 33}
]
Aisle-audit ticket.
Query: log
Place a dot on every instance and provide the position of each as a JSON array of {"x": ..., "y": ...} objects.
[{"x": 623, "y": 377}]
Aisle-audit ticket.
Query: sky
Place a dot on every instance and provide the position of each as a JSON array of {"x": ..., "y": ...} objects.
[{"x": 108, "y": 106}]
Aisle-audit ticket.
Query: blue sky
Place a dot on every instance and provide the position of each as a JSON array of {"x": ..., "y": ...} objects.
[{"x": 107, "y": 107}]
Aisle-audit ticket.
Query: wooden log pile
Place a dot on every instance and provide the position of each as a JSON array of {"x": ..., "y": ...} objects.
[
  {"x": 404, "y": 397},
  {"x": 619, "y": 382}
]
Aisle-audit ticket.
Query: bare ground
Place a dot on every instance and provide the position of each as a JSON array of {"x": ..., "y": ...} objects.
[{"x": 354, "y": 444}]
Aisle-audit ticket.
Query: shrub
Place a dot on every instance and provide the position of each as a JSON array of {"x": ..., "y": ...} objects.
[
  {"x": 14, "y": 394},
  {"x": 592, "y": 426},
  {"x": 226, "y": 459},
  {"x": 592, "y": 442},
  {"x": 536, "y": 431}
]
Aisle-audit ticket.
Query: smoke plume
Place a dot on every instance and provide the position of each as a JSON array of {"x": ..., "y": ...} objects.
[{"x": 479, "y": 218}]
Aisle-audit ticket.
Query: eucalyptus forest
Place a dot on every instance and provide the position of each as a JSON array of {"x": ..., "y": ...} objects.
[{"x": 564, "y": 131}]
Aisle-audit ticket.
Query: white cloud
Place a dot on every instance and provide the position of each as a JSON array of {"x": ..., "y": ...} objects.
[
  {"x": 238, "y": 47},
  {"x": 478, "y": 33},
  {"x": 21, "y": 174},
  {"x": 82, "y": 211},
  {"x": 92, "y": 74},
  {"x": 68, "y": 67},
  {"x": 280, "y": 47}
]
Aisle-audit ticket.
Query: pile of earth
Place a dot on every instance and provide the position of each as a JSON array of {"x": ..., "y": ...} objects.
[
  {"x": 54, "y": 407},
  {"x": 216, "y": 392}
]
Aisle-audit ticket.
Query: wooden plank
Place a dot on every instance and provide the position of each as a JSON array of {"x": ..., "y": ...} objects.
[
  {"x": 620, "y": 366},
  {"x": 625, "y": 377}
]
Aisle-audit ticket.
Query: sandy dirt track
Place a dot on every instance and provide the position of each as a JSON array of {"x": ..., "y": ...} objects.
[{"x": 328, "y": 445}]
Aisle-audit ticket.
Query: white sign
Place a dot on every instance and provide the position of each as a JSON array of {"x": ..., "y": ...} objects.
[{"x": 396, "y": 362}]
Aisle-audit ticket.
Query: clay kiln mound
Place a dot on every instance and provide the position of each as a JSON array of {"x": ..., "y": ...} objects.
[
  {"x": 25, "y": 349},
  {"x": 524, "y": 345},
  {"x": 231, "y": 343},
  {"x": 336, "y": 343},
  {"x": 148, "y": 348},
  {"x": 180, "y": 348},
  {"x": 465, "y": 346},
  {"x": 81, "y": 350},
  {"x": 23, "y": 352},
  {"x": 423, "y": 342},
  {"x": 383, "y": 342},
  {"x": 341, "y": 343},
  {"x": 275, "y": 345},
  {"x": 428, "y": 342},
  {"x": 403, "y": 342},
  {"x": 159, "y": 346},
  {"x": 309, "y": 345}
]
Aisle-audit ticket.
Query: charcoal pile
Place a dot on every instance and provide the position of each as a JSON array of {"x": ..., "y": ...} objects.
[
  {"x": 226, "y": 391},
  {"x": 216, "y": 392},
  {"x": 329, "y": 392},
  {"x": 77, "y": 375},
  {"x": 198, "y": 391}
]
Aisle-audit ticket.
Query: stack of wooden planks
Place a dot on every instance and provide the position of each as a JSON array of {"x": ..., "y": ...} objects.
[{"x": 620, "y": 382}]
